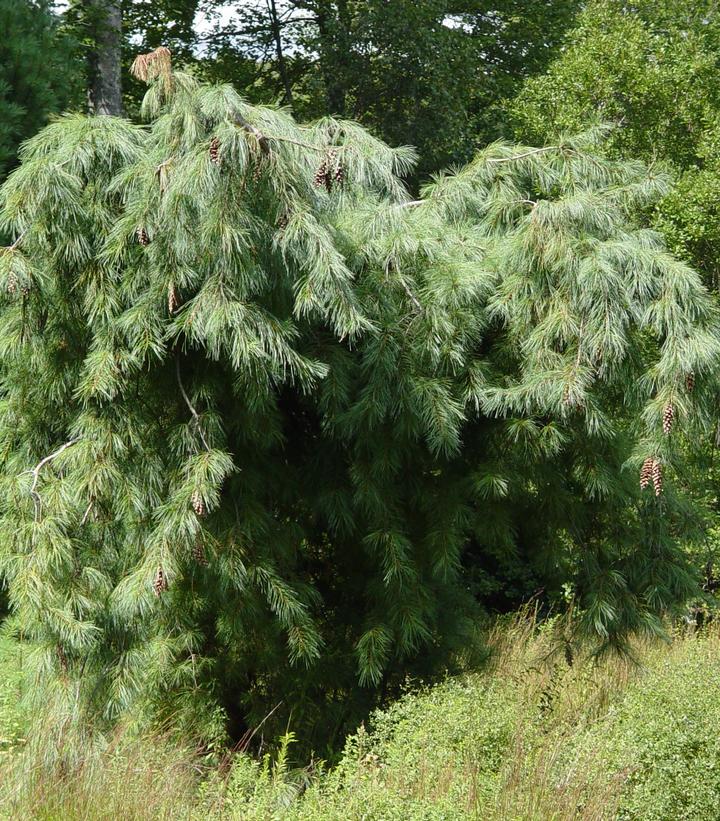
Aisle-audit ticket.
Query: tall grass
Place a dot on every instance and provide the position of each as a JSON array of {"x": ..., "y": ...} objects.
[{"x": 531, "y": 737}]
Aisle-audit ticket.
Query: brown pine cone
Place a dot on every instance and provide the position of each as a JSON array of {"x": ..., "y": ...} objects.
[
  {"x": 198, "y": 504},
  {"x": 173, "y": 301},
  {"x": 160, "y": 583},
  {"x": 142, "y": 237},
  {"x": 668, "y": 416},
  {"x": 690, "y": 382},
  {"x": 215, "y": 151},
  {"x": 646, "y": 472},
  {"x": 657, "y": 477},
  {"x": 321, "y": 175},
  {"x": 198, "y": 551}
]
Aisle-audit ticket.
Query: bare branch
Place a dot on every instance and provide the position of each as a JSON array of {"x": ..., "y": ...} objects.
[
  {"x": 195, "y": 415},
  {"x": 35, "y": 472},
  {"x": 17, "y": 242},
  {"x": 251, "y": 129},
  {"x": 524, "y": 154},
  {"x": 87, "y": 513}
]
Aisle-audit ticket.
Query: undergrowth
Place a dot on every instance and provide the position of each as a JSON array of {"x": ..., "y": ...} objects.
[{"x": 537, "y": 735}]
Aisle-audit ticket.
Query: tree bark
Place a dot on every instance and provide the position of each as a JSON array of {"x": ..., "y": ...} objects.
[
  {"x": 282, "y": 65},
  {"x": 105, "y": 88},
  {"x": 333, "y": 28}
]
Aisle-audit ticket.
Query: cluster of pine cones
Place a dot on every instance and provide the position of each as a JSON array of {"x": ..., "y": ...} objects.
[
  {"x": 651, "y": 470},
  {"x": 330, "y": 171}
]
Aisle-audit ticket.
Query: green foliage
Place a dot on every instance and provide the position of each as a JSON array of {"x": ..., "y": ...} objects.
[
  {"x": 652, "y": 69},
  {"x": 37, "y": 73},
  {"x": 665, "y": 735},
  {"x": 253, "y": 429}
]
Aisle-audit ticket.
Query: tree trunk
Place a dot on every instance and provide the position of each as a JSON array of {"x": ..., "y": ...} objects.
[
  {"x": 333, "y": 28},
  {"x": 105, "y": 89},
  {"x": 282, "y": 65}
]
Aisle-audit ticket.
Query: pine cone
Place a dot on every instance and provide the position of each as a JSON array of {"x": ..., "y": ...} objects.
[
  {"x": 339, "y": 170},
  {"x": 215, "y": 150},
  {"x": 12, "y": 284},
  {"x": 160, "y": 583},
  {"x": 690, "y": 382},
  {"x": 142, "y": 237},
  {"x": 657, "y": 477},
  {"x": 282, "y": 222},
  {"x": 321, "y": 175},
  {"x": 198, "y": 503},
  {"x": 646, "y": 472},
  {"x": 198, "y": 551},
  {"x": 668, "y": 416},
  {"x": 173, "y": 301}
]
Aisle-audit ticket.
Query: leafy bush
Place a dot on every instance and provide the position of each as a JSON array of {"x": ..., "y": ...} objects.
[{"x": 665, "y": 735}]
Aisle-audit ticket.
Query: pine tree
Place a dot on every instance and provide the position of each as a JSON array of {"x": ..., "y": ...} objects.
[{"x": 264, "y": 455}]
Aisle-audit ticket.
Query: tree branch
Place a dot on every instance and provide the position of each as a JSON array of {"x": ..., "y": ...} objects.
[
  {"x": 251, "y": 129},
  {"x": 17, "y": 242},
  {"x": 525, "y": 154},
  {"x": 35, "y": 472},
  {"x": 195, "y": 415}
]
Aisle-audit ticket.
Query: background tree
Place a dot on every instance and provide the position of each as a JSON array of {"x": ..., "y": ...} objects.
[
  {"x": 98, "y": 24},
  {"x": 652, "y": 68},
  {"x": 440, "y": 89},
  {"x": 38, "y": 73}
]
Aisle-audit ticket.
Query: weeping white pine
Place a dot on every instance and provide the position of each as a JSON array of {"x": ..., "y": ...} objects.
[{"x": 269, "y": 427}]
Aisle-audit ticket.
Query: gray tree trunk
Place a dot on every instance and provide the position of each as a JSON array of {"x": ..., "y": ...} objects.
[{"x": 105, "y": 88}]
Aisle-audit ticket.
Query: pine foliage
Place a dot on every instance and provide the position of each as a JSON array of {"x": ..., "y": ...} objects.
[{"x": 263, "y": 438}]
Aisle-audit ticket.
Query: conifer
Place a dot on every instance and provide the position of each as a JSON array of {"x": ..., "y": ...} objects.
[{"x": 361, "y": 411}]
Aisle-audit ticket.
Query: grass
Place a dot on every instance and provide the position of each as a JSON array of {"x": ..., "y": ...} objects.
[
  {"x": 13, "y": 725},
  {"x": 529, "y": 738}
]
